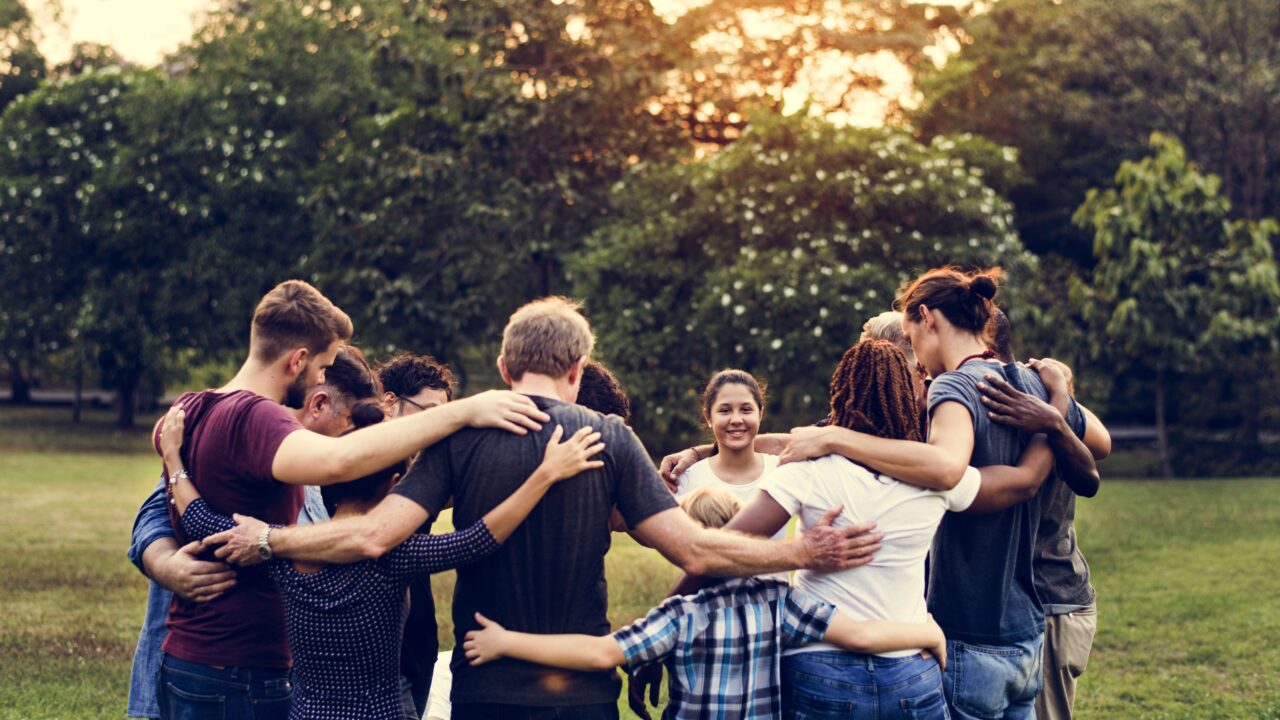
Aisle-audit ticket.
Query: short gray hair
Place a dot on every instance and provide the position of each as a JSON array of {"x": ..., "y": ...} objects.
[{"x": 888, "y": 326}]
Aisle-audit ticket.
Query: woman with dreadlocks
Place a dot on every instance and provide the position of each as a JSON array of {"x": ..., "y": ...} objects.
[{"x": 871, "y": 391}]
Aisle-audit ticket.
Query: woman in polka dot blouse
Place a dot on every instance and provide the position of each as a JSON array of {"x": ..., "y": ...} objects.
[{"x": 345, "y": 622}]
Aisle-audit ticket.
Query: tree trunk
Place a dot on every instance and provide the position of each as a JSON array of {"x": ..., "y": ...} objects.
[
  {"x": 18, "y": 383},
  {"x": 77, "y": 403},
  {"x": 127, "y": 398},
  {"x": 1162, "y": 428}
]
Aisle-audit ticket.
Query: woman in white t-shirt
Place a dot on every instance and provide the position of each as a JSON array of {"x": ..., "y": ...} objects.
[
  {"x": 871, "y": 391},
  {"x": 732, "y": 407}
]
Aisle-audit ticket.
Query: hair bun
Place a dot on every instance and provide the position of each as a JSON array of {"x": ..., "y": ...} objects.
[
  {"x": 983, "y": 286},
  {"x": 365, "y": 414}
]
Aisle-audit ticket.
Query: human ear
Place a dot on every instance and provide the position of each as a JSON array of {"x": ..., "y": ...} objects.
[
  {"x": 297, "y": 361},
  {"x": 502, "y": 370}
]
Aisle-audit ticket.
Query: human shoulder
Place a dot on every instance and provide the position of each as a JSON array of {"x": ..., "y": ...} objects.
[{"x": 959, "y": 385}]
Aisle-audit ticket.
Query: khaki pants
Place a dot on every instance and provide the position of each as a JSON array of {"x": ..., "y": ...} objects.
[{"x": 1067, "y": 641}]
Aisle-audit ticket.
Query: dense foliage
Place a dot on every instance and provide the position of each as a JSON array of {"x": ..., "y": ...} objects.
[{"x": 431, "y": 165}]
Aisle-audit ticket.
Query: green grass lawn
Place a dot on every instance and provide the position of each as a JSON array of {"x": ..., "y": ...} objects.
[{"x": 1188, "y": 598}]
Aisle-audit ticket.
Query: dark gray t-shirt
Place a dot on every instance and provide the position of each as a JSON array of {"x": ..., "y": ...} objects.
[
  {"x": 1062, "y": 575},
  {"x": 981, "y": 579},
  {"x": 549, "y": 575}
]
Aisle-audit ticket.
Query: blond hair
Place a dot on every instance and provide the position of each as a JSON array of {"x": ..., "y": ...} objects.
[
  {"x": 546, "y": 337},
  {"x": 295, "y": 315},
  {"x": 888, "y": 326},
  {"x": 710, "y": 507}
]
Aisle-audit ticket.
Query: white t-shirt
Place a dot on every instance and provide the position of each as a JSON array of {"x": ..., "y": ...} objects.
[
  {"x": 891, "y": 587},
  {"x": 700, "y": 475}
]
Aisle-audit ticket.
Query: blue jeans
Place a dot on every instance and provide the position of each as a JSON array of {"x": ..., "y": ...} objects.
[
  {"x": 991, "y": 682},
  {"x": 190, "y": 691},
  {"x": 863, "y": 687}
]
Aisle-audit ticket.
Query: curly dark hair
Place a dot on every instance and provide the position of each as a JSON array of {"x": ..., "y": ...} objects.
[
  {"x": 871, "y": 392},
  {"x": 600, "y": 391},
  {"x": 406, "y": 375}
]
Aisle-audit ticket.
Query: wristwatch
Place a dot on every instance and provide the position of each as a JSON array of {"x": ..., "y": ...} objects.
[{"x": 264, "y": 543}]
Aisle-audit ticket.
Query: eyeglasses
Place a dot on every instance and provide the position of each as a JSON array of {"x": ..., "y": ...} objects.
[{"x": 418, "y": 405}]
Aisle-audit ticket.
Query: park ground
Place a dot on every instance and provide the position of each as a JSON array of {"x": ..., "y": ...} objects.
[{"x": 1189, "y": 600}]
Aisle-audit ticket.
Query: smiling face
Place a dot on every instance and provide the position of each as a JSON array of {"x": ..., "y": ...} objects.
[{"x": 734, "y": 417}]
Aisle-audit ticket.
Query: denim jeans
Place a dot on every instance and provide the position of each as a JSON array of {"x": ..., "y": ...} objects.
[
  {"x": 190, "y": 691},
  {"x": 151, "y": 524},
  {"x": 480, "y": 711},
  {"x": 863, "y": 687},
  {"x": 990, "y": 682}
]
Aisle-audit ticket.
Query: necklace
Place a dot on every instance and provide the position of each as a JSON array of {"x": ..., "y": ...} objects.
[{"x": 984, "y": 355}]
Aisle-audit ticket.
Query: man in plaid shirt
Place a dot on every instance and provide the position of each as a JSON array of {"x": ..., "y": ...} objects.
[{"x": 722, "y": 647}]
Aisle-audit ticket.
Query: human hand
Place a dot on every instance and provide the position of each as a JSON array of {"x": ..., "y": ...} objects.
[
  {"x": 573, "y": 456},
  {"x": 675, "y": 465},
  {"x": 191, "y": 578},
  {"x": 171, "y": 436},
  {"x": 645, "y": 677},
  {"x": 240, "y": 543},
  {"x": 487, "y": 643},
  {"x": 830, "y": 549},
  {"x": 938, "y": 648},
  {"x": 504, "y": 410},
  {"x": 1056, "y": 376},
  {"x": 1009, "y": 406},
  {"x": 806, "y": 443}
]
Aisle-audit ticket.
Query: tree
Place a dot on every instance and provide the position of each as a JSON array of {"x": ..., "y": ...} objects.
[
  {"x": 1177, "y": 285},
  {"x": 1076, "y": 86},
  {"x": 771, "y": 254}
]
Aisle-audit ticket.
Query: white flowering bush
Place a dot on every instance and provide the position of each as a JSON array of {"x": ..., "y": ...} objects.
[{"x": 771, "y": 254}]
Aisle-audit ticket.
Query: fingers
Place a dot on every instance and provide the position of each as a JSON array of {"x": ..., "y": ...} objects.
[
  {"x": 865, "y": 529},
  {"x": 207, "y": 593},
  {"x": 482, "y": 621},
  {"x": 525, "y": 406},
  {"x": 215, "y": 539},
  {"x": 522, "y": 420},
  {"x": 830, "y": 516},
  {"x": 994, "y": 404},
  {"x": 557, "y": 434},
  {"x": 1000, "y": 384},
  {"x": 195, "y": 547},
  {"x": 223, "y": 552},
  {"x": 511, "y": 427}
]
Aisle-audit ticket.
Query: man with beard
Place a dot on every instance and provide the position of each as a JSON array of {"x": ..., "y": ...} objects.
[{"x": 228, "y": 657}]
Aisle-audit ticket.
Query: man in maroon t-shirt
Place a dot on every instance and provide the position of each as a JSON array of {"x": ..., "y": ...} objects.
[{"x": 248, "y": 455}]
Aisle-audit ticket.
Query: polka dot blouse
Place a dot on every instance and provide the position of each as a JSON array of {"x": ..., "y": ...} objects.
[{"x": 345, "y": 621}]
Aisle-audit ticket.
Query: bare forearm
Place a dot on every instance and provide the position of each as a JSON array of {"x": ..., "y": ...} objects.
[
  {"x": 915, "y": 463},
  {"x": 878, "y": 636},
  {"x": 771, "y": 443},
  {"x": 317, "y": 460},
  {"x": 153, "y": 559},
  {"x": 1004, "y": 486},
  {"x": 344, "y": 540},
  {"x": 723, "y": 553},
  {"x": 1075, "y": 462},
  {"x": 573, "y": 652},
  {"x": 504, "y": 519}
]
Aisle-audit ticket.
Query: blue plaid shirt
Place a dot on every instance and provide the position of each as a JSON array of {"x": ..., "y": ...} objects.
[{"x": 723, "y": 647}]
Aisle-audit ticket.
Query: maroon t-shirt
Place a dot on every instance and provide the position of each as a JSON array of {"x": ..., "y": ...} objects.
[{"x": 229, "y": 445}]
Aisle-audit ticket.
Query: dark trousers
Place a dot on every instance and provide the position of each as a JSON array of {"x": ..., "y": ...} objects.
[
  {"x": 479, "y": 711},
  {"x": 190, "y": 691}
]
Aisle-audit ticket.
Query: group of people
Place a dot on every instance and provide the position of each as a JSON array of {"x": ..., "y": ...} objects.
[{"x": 936, "y": 572}]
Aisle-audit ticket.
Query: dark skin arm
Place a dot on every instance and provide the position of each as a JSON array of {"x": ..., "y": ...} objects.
[{"x": 1009, "y": 406}]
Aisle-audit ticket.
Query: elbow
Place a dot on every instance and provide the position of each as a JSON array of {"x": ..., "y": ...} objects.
[
  {"x": 949, "y": 474},
  {"x": 1101, "y": 449},
  {"x": 370, "y": 544},
  {"x": 1091, "y": 486},
  {"x": 604, "y": 658},
  {"x": 695, "y": 565}
]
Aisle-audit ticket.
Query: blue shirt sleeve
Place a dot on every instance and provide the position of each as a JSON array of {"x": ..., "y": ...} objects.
[
  {"x": 151, "y": 524},
  {"x": 954, "y": 387}
]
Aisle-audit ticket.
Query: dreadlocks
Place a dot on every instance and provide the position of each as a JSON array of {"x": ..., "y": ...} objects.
[{"x": 871, "y": 392}]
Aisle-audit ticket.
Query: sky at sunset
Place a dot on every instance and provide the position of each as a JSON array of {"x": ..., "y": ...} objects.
[{"x": 144, "y": 30}]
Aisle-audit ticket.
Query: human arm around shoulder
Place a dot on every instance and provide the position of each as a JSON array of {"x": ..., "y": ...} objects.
[
  {"x": 156, "y": 552},
  {"x": 434, "y": 553},
  {"x": 1059, "y": 421},
  {"x": 307, "y": 458},
  {"x": 1096, "y": 436},
  {"x": 936, "y": 465},
  {"x": 586, "y": 653},
  {"x": 880, "y": 636}
]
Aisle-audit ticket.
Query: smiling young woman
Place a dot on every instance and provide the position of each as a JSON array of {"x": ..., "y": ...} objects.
[{"x": 733, "y": 408}]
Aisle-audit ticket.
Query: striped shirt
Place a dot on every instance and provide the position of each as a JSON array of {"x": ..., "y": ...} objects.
[{"x": 723, "y": 646}]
